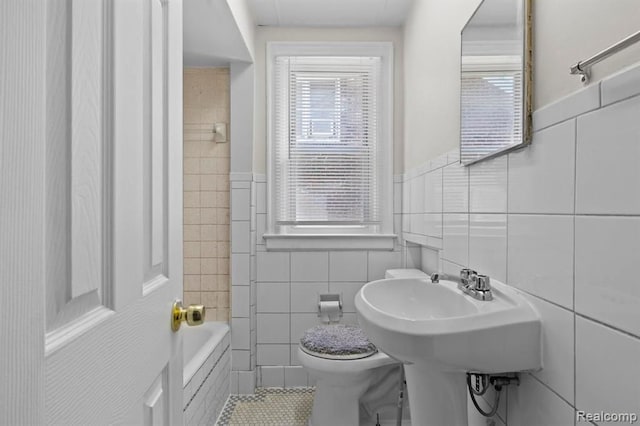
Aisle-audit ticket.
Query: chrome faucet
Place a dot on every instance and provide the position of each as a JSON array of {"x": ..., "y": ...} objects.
[
  {"x": 435, "y": 278},
  {"x": 482, "y": 288},
  {"x": 467, "y": 277},
  {"x": 475, "y": 285}
]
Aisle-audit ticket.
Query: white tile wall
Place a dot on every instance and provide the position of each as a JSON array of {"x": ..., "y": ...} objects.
[
  {"x": 488, "y": 244},
  {"x": 560, "y": 220},
  {"x": 488, "y": 186},
  {"x": 348, "y": 266},
  {"x": 541, "y": 177},
  {"x": 607, "y": 372},
  {"x": 607, "y": 158},
  {"x": 309, "y": 266},
  {"x": 605, "y": 292},
  {"x": 549, "y": 240}
]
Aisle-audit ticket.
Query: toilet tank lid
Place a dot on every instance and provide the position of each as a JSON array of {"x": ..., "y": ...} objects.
[{"x": 404, "y": 273}]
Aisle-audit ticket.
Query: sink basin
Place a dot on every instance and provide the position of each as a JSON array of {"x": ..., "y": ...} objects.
[{"x": 440, "y": 334}]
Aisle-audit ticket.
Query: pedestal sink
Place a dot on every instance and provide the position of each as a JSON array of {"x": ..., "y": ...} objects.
[{"x": 439, "y": 334}]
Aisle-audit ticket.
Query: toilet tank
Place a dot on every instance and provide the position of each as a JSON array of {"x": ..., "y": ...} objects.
[{"x": 404, "y": 273}]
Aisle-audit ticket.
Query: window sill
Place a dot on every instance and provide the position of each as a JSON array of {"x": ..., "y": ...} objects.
[{"x": 276, "y": 242}]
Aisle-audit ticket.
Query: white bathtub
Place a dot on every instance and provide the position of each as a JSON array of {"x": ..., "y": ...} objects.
[{"x": 207, "y": 367}]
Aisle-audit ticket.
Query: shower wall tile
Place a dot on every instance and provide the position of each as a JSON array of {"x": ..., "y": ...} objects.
[{"x": 206, "y": 191}]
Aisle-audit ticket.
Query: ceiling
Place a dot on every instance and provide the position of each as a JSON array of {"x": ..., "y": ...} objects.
[{"x": 330, "y": 13}]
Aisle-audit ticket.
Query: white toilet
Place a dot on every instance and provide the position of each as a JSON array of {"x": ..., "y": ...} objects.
[{"x": 344, "y": 382}]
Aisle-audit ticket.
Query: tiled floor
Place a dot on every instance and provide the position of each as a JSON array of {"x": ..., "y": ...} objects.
[{"x": 269, "y": 406}]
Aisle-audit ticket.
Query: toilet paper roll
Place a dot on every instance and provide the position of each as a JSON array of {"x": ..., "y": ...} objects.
[{"x": 330, "y": 311}]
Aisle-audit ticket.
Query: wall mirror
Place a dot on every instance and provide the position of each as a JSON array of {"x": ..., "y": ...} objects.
[{"x": 495, "y": 80}]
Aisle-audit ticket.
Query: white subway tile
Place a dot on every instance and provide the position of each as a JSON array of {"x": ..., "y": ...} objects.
[
  {"x": 348, "y": 266},
  {"x": 240, "y": 237},
  {"x": 433, "y": 191},
  {"x": 272, "y": 376},
  {"x": 607, "y": 253},
  {"x": 488, "y": 244},
  {"x": 240, "y": 333},
  {"x": 621, "y": 85},
  {"x": 541, "y": 176},
  {"x": 455, "y": 196},
  {"x": 240, "y": 269},
  {"x": 430, "y": 260},
  {"x": 304, "y": 296},
  {"x": 240, "y": 301},
  {"x": 261, "y": 197},
  {"x": 557, "y": 348},
  {"x": 246, "y": 382},
  {"x": 455, "y": 242},
  {"x": 261, "y": 228},
  {"x": 540, "y": 253},
  {"x": 295, "y": 376},
  {"x": 417, "y": 195},
  {"x": 273, "y": 297},
  {"x": 432, "y": 224},
  {"x": 240, "y": 360},
  {"x": 397, "y": 197},
  {"x": 488, "y": 186},
  {"x": 347, "y": 290},
  {"x": 273, "y": 328},
  {"x": 577, "y": 103},
  {"x": 533, "y": 404},
  {"x": 240, "y": 204},
  {"x": 301, "y": 323},
  {"x": 607, "y": 158},
  {"x": 310, "y": 266},
  {"x": 270, "y": 354},
  {"x": 273, "y": 266},
  {"x": 607, "y": 373},
  {"x": 380, "y": 261}
]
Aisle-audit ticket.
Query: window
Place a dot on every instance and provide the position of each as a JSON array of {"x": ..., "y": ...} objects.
[{"x": 330, "y": 145}]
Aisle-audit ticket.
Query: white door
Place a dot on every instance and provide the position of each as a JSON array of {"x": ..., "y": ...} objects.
[{"x": 111, "y": 237}]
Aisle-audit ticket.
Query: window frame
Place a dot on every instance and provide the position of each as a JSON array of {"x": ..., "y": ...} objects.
[{"x": 328, "y": 237}]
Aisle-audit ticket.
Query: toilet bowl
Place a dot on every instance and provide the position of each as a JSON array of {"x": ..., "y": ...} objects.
[{"x": 342, "y": 381}]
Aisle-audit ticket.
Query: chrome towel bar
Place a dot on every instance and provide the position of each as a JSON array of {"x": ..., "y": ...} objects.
[{"x": 583, "y": 67}]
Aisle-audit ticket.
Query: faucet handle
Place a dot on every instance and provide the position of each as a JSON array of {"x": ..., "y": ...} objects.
[
  {"x": 435, "y": 278},
  {"x": 467, "y": 274},
  {"x": 483, "y": 283}
]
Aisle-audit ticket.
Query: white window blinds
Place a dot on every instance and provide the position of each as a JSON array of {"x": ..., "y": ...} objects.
[
  {"x": 491, "y": 111},
  {"x": 326, "y": 150}
]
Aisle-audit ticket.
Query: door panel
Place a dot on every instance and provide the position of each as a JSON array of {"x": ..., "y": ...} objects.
[{"x": 114, "y": 203}]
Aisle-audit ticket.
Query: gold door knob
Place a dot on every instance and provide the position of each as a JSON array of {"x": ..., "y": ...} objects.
[{"x": 193, "y": 315}]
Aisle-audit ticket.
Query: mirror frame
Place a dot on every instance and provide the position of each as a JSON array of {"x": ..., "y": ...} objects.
[{"x": 527, "y": 89}]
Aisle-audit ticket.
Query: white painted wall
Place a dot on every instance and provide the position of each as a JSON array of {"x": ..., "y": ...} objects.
[
  {"x": 564, "y": 32},
  {"x": 266, "y": 34}
]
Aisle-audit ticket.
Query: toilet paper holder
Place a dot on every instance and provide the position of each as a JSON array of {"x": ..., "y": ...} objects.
[{"x": 328, "y": 302}]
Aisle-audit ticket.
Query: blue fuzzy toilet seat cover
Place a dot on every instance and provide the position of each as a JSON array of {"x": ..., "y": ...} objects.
[{"x": 337, "y": 341}]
